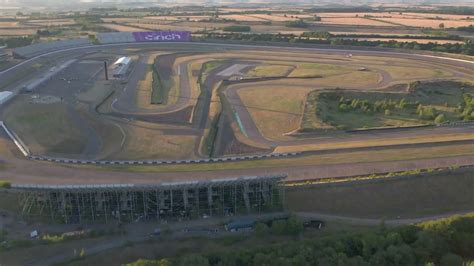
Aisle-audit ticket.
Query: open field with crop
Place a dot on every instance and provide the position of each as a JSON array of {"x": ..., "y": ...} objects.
[
  {"x": 394, "y": 198},
  {"x": 52, "y": 22},
  {"x": 120, "y": 27},
  {"x": 16, "y": 31},
  {"x": 354, "y": 21},
  {"x": 427, "y": 23}
]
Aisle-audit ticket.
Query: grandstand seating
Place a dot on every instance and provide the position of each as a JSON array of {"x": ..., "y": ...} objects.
[
  {"x": 41, "y": 48},
  {"x": 115, "y": 37}
]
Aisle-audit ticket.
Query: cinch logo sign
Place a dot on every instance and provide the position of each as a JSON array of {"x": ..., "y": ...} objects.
[{"x": 163, "y": 36}]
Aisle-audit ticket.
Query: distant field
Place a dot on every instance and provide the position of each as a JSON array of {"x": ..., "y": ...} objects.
[
  {"x": 167, "y": 27},
  {"x": 17, "y": 32},
  {"x": 9, "y": 24},
  {"x": 425, "y": 23},
  {"x": 191, "y": 18},
  {"x": 353, "y": 21},
  {"x": 120, "y": 27},
  {"x": 52, "y": 22},
  {"x": 242, "y": 18}
]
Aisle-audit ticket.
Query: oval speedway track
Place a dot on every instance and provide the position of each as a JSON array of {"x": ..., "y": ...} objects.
[{"x": 56, "y": 173}]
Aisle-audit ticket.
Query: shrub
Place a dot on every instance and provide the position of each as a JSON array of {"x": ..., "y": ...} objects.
[
  {"x": 440, "y": 119},
  {"x": 237, "y": 28},
  {"x": 297, "y": 24},
  {"x": 5, "y": 184}
]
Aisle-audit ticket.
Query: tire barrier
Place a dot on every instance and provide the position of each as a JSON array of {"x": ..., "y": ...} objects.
[
  {"x": 163, "y": 162},
  {"x": 457, "y": 124}
]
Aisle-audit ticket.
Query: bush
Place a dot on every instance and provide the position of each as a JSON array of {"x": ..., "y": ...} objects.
[
  {"x": 5, "y": 184},
  {"x": 440, "y": 119},
  {"x": 292, "y": 226},
  {"x": 297, "y": 24},
  {"x": 237, "y": 28},
  {"x": 451, "y": 259},
  {"x": 261, "y": 229}
]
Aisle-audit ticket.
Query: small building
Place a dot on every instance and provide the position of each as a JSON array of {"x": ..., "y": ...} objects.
[
  {"x": 122, "y": 61},
  {"x": 121, "y": 66},
  {"x": 120, "y": 72}
]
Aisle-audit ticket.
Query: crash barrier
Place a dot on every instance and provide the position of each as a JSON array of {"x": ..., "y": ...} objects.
[
  {"x": 19, "y": 144},
  {"x": 161, "y": 162}
]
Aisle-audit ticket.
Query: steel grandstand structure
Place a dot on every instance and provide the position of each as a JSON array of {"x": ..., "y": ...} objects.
[{"x": 128, "y": 202}]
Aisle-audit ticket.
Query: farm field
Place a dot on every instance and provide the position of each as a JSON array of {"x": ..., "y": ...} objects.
[{"x": 355, "y": 21}]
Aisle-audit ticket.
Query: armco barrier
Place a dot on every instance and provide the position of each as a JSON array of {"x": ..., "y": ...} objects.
[
  {"x": 16, "y": 140},
  {"x": 159, "y": 162}
]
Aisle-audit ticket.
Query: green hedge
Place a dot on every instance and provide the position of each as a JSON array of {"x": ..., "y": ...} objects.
[
  {"x": 157, "y": 93},
  {"x": 5, "y": 184}
]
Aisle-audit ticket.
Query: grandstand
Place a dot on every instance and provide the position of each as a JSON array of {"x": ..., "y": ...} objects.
[
  {"x": 41, "y": 48},
  {"x": 129, "y": 202},
  {"x": 115, "y": 37}
]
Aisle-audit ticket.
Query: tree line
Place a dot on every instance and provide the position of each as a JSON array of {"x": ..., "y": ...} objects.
[
  {"x": 466, "y": 47},
  {"x": 445, "y": 242}
]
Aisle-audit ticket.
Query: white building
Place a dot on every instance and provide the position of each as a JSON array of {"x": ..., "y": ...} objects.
[
  {"x": 122, "y": 61},
  {"x": 121, "y": 67}
]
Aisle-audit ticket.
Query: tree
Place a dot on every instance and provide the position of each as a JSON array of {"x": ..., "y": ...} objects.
[
  {"x": 441, "y": 25},
  {"x": 261, "y": 229},
  {"x": 440, "y": 119},
  {"x": 195, "y": 260},
  {"x": 451, "y": 259}
]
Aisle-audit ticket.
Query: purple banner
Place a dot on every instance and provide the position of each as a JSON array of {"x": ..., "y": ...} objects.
[{"x": 162, "y": 36}]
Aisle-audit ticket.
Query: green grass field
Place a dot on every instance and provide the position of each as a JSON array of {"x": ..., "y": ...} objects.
[
  {"x": 426, "y": 103},
  {"x": 320, "y": 70},
  {"x": 270, "y": 70},
  {"x": 45, "y": 128}
]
